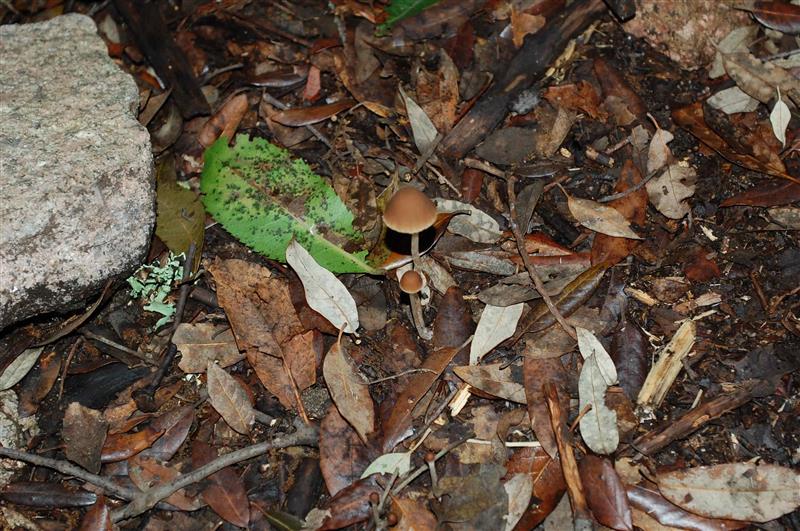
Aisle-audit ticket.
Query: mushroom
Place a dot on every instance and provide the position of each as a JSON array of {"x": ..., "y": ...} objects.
[
  {"x": 409, "y": 211},
  {"x": 412, "y": 283}
]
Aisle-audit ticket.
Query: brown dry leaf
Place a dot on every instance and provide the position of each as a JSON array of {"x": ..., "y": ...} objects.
[
  {"x": 230, "y": 399},
  {"x": 580, "y": 96},
  {"x": 225, "y": 121},
  {"x": 146, "y": 472},
  {"x": 600, "y": 218},
  {"x": 524, "y": 24},
  {"x": 413, "y": 515},
  {"x": 740, "y": 491},
  {"x": 97, "y": 517},
  {"x": 199, "y": 343},
  {"x": 659, "y": 154},
  {"x": 37, "y": 385},
  {"x": 301, "y": 354},
  {"x": 536, "y": 372},
  {"x": 437, "y": 92},
  {"x": 124, "y": 445},
  {"x": 225, "y": 492},
  {"x": 176, "y": 425},
  {"x": 310, "y": 115},
  {"x": 351, "y": 505},
  {"x": 759, "y": 79},
  {"x": 505, "y": 383},
  {"x": 669, "y": 191},
  {"x": 555, "y": 342},
  {"x": 397, "y": 426},
  {"x": 342, "y": 455},
  {"x": 83, "y": 433},
  {"x": 548, "y": 483},
  {"x": 623, "y": 103},
  {"x": 605, "y": 493},
  {"x": 648, "y": 500},
  {"x": 777, "y": 15},
  {"x": 768, "y": 194},
  {"x": 349, "y": 390}
]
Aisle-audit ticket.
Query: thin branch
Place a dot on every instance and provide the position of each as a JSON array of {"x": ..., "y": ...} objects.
[
  {"x": 304, "y": 436},
  {"x": 630, "y": 190},
  {"x": 424, "y": 468},
  {"x": 537, "y": 280}
]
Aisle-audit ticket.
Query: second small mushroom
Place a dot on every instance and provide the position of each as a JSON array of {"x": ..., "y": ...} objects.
[{"x": 411, "y": 283}]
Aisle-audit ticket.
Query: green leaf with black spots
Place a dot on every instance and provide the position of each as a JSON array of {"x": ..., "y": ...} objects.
[
  {"x": 264, "y": 198},
  {"x": 397, "y": 10}
]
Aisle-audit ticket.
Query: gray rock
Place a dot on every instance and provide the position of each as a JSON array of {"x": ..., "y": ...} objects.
[{"x": 77, "y": 196}]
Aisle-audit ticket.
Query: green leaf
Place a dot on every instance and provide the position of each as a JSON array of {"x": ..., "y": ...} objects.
[
  {"x": 264, "y": 198},
  {"x": 400, "y": 9},
  {"x": 180, "y": 219}
]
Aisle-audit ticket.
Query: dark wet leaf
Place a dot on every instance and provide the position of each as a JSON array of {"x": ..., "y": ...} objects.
[
  {"x": 225, "y": 493},
  {"x": 39, "y": 382},
  {"x": 548, "y": 483},
  {"x": 124, "y": 445},
  {"x": 770, "y": 193},
  {"x": 536, "y": 373},
  {"x": 98, "y": 517},
  {"x": 453, "y": 324},
  {"x": 38, "y": 494},
  {"x": 351, "y": 505},
  {"x": 176, "y": 425},
  {"x": 605, "y": 493},
  {"x": 777, "y": 15},
  {"x": 478, "y": 499},
  {"x": 630, "y": 351},
  {"x": 343, "y": 457}
]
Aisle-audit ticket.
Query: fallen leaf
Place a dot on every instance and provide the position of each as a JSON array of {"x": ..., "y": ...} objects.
[
  {"x": 84, "y": 432},
  {"x": 740, "y": 491},
  {"x": 413, "y": 514},
  {"x": 600, "y": 218},
  {"x": 301, "y": 116},
  {"x": 225, "y": 121},
  {"x": 225, "y": 492},
  {"x": 668, "y": 192},
  {"x": 732, "y": 100},
  {"x": 536, "y": 372},
  {"x": 123, "y": 446},
  {"x": 422, "y": 127},
  {"x": 650, "y": 501},
  {"x": 180, "y": 216},
  {"x": 17, "y": 369},
  {"x": 229, "y": 398},
  {"x": 496, "y": 324},
  {"x": 767, "y": 194},
  {"x": 777, "y": 15},
  {"x": 324, "y": 292},
  {"x": 580, "y": 96},
  {"x": 738, "y": 40},
  {"x": 523, "y": 24},
  {"x": 505, "y": 383},
  {"x": 548, "y": 483},
  {"x": 599, "y": 424},
  {"x": 97, "y": 517},
  {"x": 658, "y": 153},
  {"x": 351, "y": 505},
  {"x": 349, "y": 390},
  {"x": 199, "y": 343},
  {"x": 396, "y": 463},
  {"x": 605, "y": 493},
  {"x": 41, "y": 494},
  {"x": 519, "y": 490},
  {"x": 589, "y": 346},
  {"x": 779, "y": 118},
  {"x": 342, "y": 455},
  {"x": 759, "y": 79},
  {"x": 478, "y": 226},
  {"x": 146, "y": 472}
]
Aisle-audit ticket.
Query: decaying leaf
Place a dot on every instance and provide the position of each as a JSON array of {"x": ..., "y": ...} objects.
[
  {"x": 310, "y": 115},
  {"x": 478, "y": 226},
  {"x": 495, "y": 326},
  {"x": 84, "y": 432},
  {"x": 600, "y": 218},
  {"x": 18, "y": 368},
  {"x": 658, "y": 153},
  {"x": 349, "y": 390},
  {"x": 225, "y": 492},
  {"x": 229, "y": 398},
  {"x": 760, "y": 79},
  {"x": 519, "y": 489},
  {"x": 496, "y": 380},
  {"x": 421, "y": 125},
  {"x": 399, "y": 463},
  {"x": 605, "y": 493},
  {"x": 324, "y": 292},
  {"x": 180, "y": 216},
  {"x": 739, "y": 491},
  {"x": 668, "y": 192}
]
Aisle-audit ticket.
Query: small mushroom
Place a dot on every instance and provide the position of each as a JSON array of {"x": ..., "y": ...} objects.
[
  {"x": 409, "y": 211},
  {"x": 412, "y": 283}
]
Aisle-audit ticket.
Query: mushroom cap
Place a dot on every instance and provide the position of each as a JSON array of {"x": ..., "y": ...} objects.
[
  {"x": 409, "y": 211},
  {"x": 412, "y": 282}
]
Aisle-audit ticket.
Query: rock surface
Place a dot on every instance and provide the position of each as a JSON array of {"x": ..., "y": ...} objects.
[{"x": 77, "y": 196}]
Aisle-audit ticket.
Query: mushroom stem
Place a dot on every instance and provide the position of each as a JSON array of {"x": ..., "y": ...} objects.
[
  {"x": 415, "y": 251},
  {"x": 416, "y": 312}
]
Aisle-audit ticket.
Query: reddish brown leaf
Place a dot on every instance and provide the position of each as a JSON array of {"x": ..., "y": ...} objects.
[
  {"x": 633, "y": 206},
  {"x": 225, "y": 121},
  {"x": 778, "y": 15},
  {"x": 692, "y": 119},
  {"x": 605, "y": 493},
  {"x": 535, "y": 373},
  {"x": 348, "y": 389},
  {"x": 124, "y": 445},
  {"x": 310, "y": 115},
  {"x": 38, "y": 494},
  {"x": 98, "y": 517},
  {"x": 38, "y": 383},
  {"x": 84, "y": 432},
  {"x": 453, "y": 324},
  {"x": 770, "y": 193},
  {"x": 398, "y": 426},
  {"x": 230, "y": 399},
  {"x": 413, "y": 515},
  {"x": 351, "y": 505},
  {"x": 580, "y": 96},
  {"x": 461, "y": 48},
  {"x": 548, "y": 483},
  {"x": 471, "y": 184},
  {"x": 313, "y": 85},
  {"x": 146, "y": 472},
  {"x": 650, "y": 501},
  {"x": 280, "y": 78},
  {"x": 615, "y": 87},
  {"x": 630, "y": 351},
  {"x": 226, "y": 493},
  {"x": 342, "y": 455},
  {"x": 176, "y": 425},
  {"x": 699, "y": 268}
]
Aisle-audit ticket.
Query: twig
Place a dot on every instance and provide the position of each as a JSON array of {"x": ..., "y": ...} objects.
[
  {"x": 114, "y": 344},
  {"x": 272, "y": 100},
  {"x": 630, "y": 190},
  {"x": 69, "y": 469},
  {"x": 304, "y": 436},
  {"x": 64, "y": 370},
  {"x": 476, "y": 164},
  {"x": 537, "y": 280},
  {"x": 398, "y": 375}
]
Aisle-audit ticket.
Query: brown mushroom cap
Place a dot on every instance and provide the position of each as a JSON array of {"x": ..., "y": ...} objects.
[
  {"x": 412, "y": 282},
  {"x": 409, "y": 211}
]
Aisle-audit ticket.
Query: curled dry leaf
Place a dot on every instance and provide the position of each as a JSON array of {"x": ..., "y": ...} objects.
[
  {"x": 599, "y": 424},
  {"x": 495, "y": 326},
  {"x": 668, "y": 192},
  {"x": 225, "y": 121},
  {"x": 18, "y": 368},
  {"x": 658, "y": 153},
  {"x": 478, "y": 226},
  {"x": 349, "y": 390},
  {"x": 779, "y": 118},
  {"x": 600, "y": 218},
  {"x": 739, "y": 491},
  {"x": 324, "y": 292},
  {"x": 310, "y": 115},
  {"x": 229, "y": 398}
]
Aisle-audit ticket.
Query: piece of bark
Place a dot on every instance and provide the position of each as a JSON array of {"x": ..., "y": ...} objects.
[
  {"x": 530, "y": 62},
  {"x": 163, "y": 54}
]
